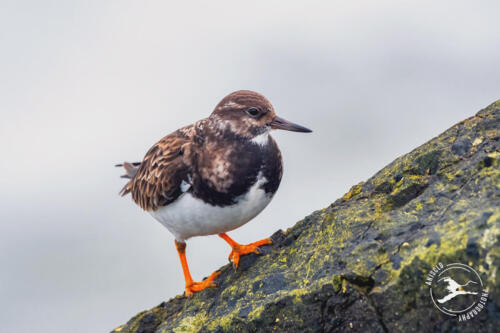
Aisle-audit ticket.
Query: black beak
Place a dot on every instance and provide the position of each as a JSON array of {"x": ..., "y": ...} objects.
[{"x": 280, "y": 123}]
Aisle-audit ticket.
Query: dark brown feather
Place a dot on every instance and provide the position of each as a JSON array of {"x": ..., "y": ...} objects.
[{"x": 157, "y": 182}]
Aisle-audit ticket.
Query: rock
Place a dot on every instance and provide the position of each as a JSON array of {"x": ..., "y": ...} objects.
[{"x": 361, "y": 264}]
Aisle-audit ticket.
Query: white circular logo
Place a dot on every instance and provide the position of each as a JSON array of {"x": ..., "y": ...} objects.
[{"x": 457, "y": 290}]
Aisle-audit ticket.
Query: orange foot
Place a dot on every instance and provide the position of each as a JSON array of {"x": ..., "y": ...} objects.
[
  {"x": 240, "y": 250},
  {"x": 194, "y": 287}
]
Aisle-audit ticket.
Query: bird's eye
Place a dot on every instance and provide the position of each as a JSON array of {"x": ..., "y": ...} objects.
[{"x": 254, "y": 112}]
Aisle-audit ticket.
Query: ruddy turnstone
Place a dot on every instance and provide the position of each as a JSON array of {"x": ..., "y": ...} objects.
[{"x": 212, "y": 176}]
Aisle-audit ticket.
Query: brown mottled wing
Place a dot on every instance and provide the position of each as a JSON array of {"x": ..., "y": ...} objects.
[{"x": 158, "y": 180}]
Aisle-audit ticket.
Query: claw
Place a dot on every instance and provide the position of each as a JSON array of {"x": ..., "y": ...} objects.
[
  {"x": 195, "y": 287},
  {"x": 241, "y": 250}
]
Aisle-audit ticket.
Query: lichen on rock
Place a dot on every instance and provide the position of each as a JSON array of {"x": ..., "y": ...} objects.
[{"x": 361, "y": 263}]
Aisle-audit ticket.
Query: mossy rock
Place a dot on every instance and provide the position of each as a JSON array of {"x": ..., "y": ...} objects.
[{"x": 360, "y": 264}]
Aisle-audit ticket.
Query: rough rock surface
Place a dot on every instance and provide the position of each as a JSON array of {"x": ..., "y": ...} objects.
[{"x": 360, "y": 264}]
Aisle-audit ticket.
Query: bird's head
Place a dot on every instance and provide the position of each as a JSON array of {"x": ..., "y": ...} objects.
[{"x": 249, "y": 114}]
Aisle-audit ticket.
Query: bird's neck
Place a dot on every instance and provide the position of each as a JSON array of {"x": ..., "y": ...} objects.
[
  {"x": 226, "y": 130},
  {"x": 261, "y": 139}
]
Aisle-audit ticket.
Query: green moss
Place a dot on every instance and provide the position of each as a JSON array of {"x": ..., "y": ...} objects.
[
  {"x": 337, "y": 282},
  {"x": 355, "y": 190},
  {"x": 191, "y": 324}
]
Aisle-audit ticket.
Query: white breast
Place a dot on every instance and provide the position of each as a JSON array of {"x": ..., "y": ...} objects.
[{"x": 188, "y": 216}]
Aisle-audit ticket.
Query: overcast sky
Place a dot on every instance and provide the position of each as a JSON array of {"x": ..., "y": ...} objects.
[{"x": 87, "y": 84}]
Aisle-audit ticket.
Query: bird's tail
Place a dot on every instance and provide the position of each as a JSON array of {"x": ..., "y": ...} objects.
[{"x": 130, "y": 171}]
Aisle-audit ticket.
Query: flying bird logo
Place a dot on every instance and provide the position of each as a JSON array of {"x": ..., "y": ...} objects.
[
  {"x": 451, "y": 297},
  {"x": 454, "y": 289}
]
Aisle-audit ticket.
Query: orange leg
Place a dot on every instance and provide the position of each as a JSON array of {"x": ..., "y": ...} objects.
[
  {"x": 193, "y": 287},
  {"x": 240, "y": 250}
]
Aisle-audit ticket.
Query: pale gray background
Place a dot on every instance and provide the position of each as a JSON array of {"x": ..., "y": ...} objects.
[{"x": 86, "y": 84}]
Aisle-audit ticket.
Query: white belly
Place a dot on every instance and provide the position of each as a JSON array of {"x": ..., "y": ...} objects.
[{"x": 188, "y": 216}]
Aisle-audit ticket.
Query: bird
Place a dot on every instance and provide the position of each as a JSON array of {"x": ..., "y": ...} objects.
[
  {"x": 454, "y": 289},
  {"x": 212, "y": 176}
]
